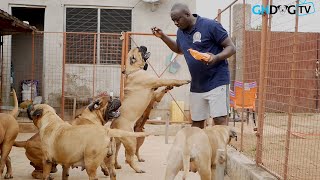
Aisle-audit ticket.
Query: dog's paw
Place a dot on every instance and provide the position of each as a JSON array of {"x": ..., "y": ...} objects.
[
  {"x": 49, "y": 177},
  {"x": 168, "y": 88},
  {"x": 140, "y": 171},
  {"x": 54, "y": 169},
  {"x": 186, "y": 81},
  {"x": 141, "y": 160},
  {"x": 8, "y": 176},
  {"x": 37, "y": 174},
  {"x": 105, "y": 172},
  {"x": 117, "y": 166}
]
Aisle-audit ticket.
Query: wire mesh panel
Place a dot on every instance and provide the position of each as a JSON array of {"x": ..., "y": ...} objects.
[
  {"x": 92, "y": 67},
  {"x": 110, "y": 49},
  {"x": 244, "y": 72},
  {"x": 291, "y": 147},
  {"x": 52, "y": 56},
  {"x": 64, "y": 70},
  {"x": 6, "y": 73},
  {"x": 289, "y": 138},
  {"x": 31, "y": 67}
]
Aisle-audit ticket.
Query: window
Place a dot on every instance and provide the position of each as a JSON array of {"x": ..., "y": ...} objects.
[
  {"x": 81, "y": 20},
  {"x": 115, "y": 20},
  {"x": 80, "y": 46}
]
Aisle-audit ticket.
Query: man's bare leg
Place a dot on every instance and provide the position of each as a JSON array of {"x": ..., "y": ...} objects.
[
  {"x": 222, "y": 120},
  {"x": 199, "y": 124}
]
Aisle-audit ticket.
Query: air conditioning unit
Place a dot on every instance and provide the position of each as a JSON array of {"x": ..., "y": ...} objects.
[{"x": 150, "y": 1}]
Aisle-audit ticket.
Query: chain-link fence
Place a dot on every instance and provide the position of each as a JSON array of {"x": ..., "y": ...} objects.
[
  {"x": 65, "y": 70},
  {"x": 278, "y": 49}
]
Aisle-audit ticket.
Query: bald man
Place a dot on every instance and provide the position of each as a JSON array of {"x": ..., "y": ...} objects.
[{"x": 209, "y": 91}]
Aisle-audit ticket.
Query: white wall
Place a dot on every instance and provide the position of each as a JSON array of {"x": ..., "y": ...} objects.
[
  {"x": 143, "y": 17},
  {"x": 209, "y": 8}
]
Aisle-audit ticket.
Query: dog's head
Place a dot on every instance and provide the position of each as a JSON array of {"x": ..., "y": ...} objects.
[
  {"x": 38, "y": 111},
  {"x": 232, "y": 134},
  {"x": 105, "y": 107},
  {"x": 138, "y": 57}
]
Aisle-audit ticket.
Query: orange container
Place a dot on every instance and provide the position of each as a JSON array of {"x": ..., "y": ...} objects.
[{"x": 198, "y": 55}]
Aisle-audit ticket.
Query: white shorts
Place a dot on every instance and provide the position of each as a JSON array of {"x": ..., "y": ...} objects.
[{"x": 214, "y": 103}]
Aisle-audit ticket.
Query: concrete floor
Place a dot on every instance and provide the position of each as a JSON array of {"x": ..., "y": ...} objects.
[{"x": 154, "y": 151}]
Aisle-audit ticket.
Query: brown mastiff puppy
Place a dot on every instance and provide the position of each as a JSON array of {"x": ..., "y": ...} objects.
[
  {"x": 139, "y": 89},
  {"x": 9, "y": 130},
  {"x": 198, "y": 146},
  {"x": 139, "y": 126},
  {"x": 59, "y": 139},
  {"x": 98, "y": 112}
]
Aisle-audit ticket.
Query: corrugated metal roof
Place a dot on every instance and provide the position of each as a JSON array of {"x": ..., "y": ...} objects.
[{"x": 12, "y": 25}]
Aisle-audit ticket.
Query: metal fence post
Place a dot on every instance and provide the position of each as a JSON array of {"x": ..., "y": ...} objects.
[
  {"x": 123, "y": 56},
  {"x": 262, "y": 84},
  {"x": 243, "y": 69},
  {"x": 63, "y": 74},
  {"x": 2, "y": 74},
  {"x": 94, "y": 63},
  {"x": 219, "y": 16},
  {"x": 32, "y": 64},
  {"x": 167, "y": 131},
  {"x": 292, "y": 79}
]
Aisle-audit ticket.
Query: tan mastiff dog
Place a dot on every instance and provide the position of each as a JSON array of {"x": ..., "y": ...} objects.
[
  {"x": 59, "y": 139},
  {"x": 105, "y": 109},
  {"x": 138, "y": 92},
  {"x": 9, "y": 130},
  {"x": 198, "y": 147},
  {"x": 139, "y": 126}
]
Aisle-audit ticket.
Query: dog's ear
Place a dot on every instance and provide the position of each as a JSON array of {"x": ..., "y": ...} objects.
[
  {"x": 144, "y": 53},
  {"x": 143, "y": 49},
  {"x": 29, "y": 109},
  {"x": 112, "y": 109},
  {"x": 37, "y": 113},
  {"x": 233, "y": 134}
]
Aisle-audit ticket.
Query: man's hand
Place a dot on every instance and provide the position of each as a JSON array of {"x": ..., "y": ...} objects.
[
  {"x": 213, "y": 59},
  {"x": 157, "y": 32},
  {"x": 169, "y": 42},
  {"x": 228, "y": 50}
]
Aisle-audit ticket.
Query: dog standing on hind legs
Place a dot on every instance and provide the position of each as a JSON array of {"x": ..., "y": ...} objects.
[
  {"x": 139, "y": 126},
  {"x": 138, "y": 92},
  {"x": 9, "y": 130}
]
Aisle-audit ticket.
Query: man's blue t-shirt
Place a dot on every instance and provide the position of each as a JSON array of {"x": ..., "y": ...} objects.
[{"x": 205, "y": 36}]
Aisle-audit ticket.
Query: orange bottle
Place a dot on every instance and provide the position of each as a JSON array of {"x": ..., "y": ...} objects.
[{"x": 198, "y": 55}]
